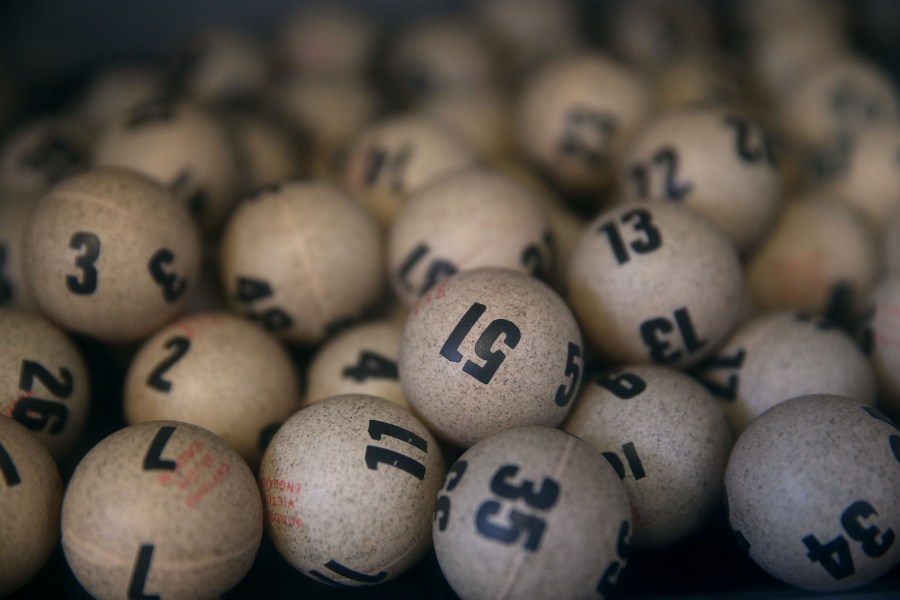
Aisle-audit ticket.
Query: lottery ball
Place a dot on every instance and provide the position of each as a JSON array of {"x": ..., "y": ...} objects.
[
  {"x": 575, "y": 115},
  {"x": 775, "y": 357},
  {"x": 348, "y": 486},
  {"x": 489, "y": 349},
  {"x": 30, "y": 498},
  {"x": 218, "y": 371},
  {"x": 819, "y": 252},
  {"x": 480, "y": 116},
  {"x": 360, "y": 360},
  {"x": 532, "y": 512},
  {"x": 667, "y": 440},
  {"x": 301, "y": 257},
  {"x": 112, "y": 255},
  {"x": 15, "y": 209},
  {"x": 41, "y": 153},
  {"x": 440, "y": 57},
  {"x": 655, "y": 283},
  {"x": 393, "y": 158},
  {"x": 813, "y": 490},
  {"x": 717, "y": 161},
  {"x": 326, "y": 41},
  {"x": 865, "y": 174},
  {"x": 180, "y": 146},
  {"x": 162, "y": 509},
  {"x": 43, "y": 380},
  {"x": 846, "y": 95},
  {"x": 463, "y": 220}
]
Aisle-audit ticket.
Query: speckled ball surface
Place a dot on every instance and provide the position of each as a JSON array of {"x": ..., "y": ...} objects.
[
  {"x": 43, "y": 380},
  {"x": 393, "y": 158},
  {"x": 574, "y": 117},
  {"x": 113, "y": 255},
  {"x": 464, "y": 220},
  {"x": 489, "y": 349},
  {"x": 532, "y": 512},
  {"x": 349, "y": 484},
  {"x": 360, "y": 360},
  {"x": 654, "y": 283},
  {"x": 218, "y": 371},
  {"x": 30, "y": 499},
  {"x": 775, "y": 357},
  {"x": 818, "y": 247},
  {"x": 301, "y": 257},
  {"x": 813, "y": 491},
  {"x": 668, "y": 441},
  {"x": 717, "y": 161},
  {"x": 181, "y": 146},
  {"x": 162, "y": 508}
]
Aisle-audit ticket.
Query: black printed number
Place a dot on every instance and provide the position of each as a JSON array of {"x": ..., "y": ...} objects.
[
  {"x": 173, "y": 287},
  {"x": 519, "y": 523},
  {"x": 140, "y": 573},
  {"x": 751, "y": 142},
  {"x": 493, "y": 358},
  {"x": 733, "y": 363},
  {"x": 655, "y": 332},
  {"x": 442, "y": 505},
  {"x": 641, "y": 221},
  {"x": 564, "y": 394},
  {"x": 664, "y": 161},
  {"x": 388, "y": 165},
  {"x": 179, "y": 346},
  {"x": 587, "y": 135},
  {"x": 623, "y": 385},
  {"x": 631, "y": 458},
  {"x": 251, "y": 291},
  {"x": 614, "y": 569},
  {"x": 376, "y": 455},
  {"x": 893, "y": 439},
  {"x": 835, "y": 556},
  {"x": 89, "y": 246},
  {"x": 371, "y": 366},
  {"x": 348, "y": 573},
  {"x": 436, "y": 270},
  {"x": 8, "y": 468},
  {"x": 38, "y": 414}
]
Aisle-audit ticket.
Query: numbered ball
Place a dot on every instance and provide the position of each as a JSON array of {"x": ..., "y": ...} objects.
[
  {"x": 349, "y": 484},
  {"x": 30, "y": 498},
  {"x": 813, "y": 491},
  {"x": 323, "y": 41},
  {"x": 42, "y": 153},
  {"x": 43, "y": 380},
  {"x": 866, "y": 174},
  {"x": 717, "y": 161},
  {"x": 467, "y": 219},
  {"x": 667, "y": 440},
  {"x": 180, "y": 146},
  {"x": 532, "y": 512},
  {"x": 360, "y": 360},
  {"x": 655, "y": 283},
  {"x": 839, "y": 97},
  {"x": 301, "y": 258},
  {"x": 217, "y": 371},
  {"x": 776, "y": 357},
  {"x": 113, "y": 255},
  {"x": 819, "y": 254},
  {"x": 394, "y": 158},
  {"x": 575, "y": 115},
  {"x": 489, "y": 349},
  {"x": 161, "y": 509}
]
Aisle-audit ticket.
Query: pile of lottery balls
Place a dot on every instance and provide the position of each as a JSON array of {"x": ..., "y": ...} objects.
[{"x": 478, "y": 282}]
